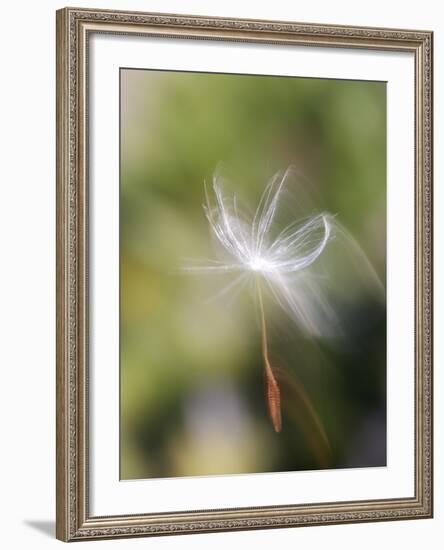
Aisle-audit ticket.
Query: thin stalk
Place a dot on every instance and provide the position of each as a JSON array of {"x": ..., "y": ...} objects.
[{"x": 273, "y": 392}]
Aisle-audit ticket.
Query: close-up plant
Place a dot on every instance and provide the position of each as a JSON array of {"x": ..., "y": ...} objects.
[
  {"x": 252, "y": 265},
  {"x": 263, "y": 257}
]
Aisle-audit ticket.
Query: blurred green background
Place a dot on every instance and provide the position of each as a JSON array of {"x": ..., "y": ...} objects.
[{"x": 192, "y": 387}]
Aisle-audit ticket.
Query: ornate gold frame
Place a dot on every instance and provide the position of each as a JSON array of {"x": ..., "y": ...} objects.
[{"x": 73, "y": 519}]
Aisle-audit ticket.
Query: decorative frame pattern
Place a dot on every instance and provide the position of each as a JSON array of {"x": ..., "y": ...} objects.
[{"x": 73, "y": 519}]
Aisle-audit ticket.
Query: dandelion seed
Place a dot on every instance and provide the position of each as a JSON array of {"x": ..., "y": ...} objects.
[{"x": 252, "y": 250}]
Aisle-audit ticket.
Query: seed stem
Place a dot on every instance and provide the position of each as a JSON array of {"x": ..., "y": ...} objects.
[{"x": 273, "y": 392}]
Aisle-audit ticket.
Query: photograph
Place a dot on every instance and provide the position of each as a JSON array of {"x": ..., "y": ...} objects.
[
  {"x": 252, "y": 273},
  {"x": 244, "y": 274},
  {"x": 219, "y": 299}
]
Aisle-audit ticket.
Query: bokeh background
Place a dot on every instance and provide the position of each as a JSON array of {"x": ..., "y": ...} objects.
[{"x": 192, "y": 387}]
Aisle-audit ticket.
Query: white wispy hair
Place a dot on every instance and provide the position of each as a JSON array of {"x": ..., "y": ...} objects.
[{"x": 256, "y": 248}]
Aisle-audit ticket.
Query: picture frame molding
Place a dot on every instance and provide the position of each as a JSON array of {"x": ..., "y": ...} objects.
[{"x": 73, "y": 26}]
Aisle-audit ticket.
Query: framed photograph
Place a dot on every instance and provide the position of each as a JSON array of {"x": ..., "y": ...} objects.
[{"x": 244, "y": 274}]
